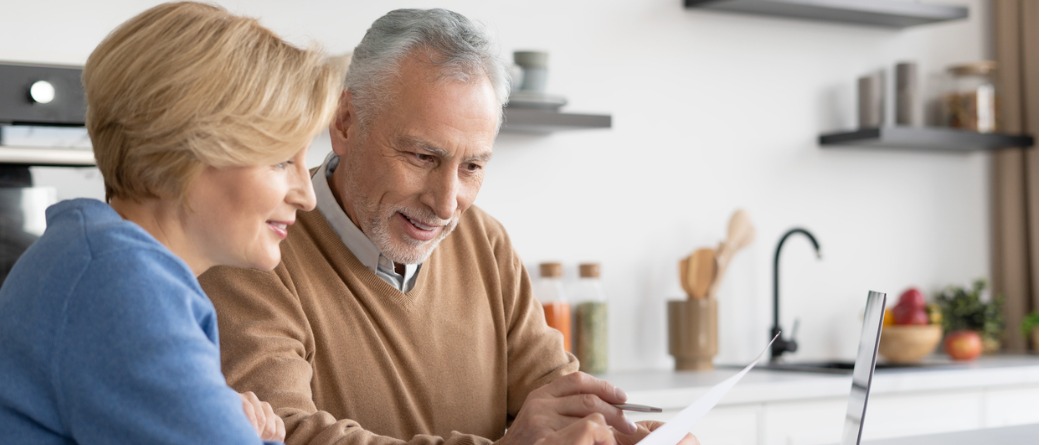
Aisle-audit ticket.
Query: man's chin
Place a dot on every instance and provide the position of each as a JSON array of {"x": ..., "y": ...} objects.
[
  {"x": 415, "y": 253},
  {"x": 413, "y": 258}
]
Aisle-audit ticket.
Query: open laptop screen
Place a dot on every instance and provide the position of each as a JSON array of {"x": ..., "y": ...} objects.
[{"x": 864, "y": 367}]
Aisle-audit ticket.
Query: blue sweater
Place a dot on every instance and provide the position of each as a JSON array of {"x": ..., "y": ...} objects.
[{"x": 106, "y": 337}]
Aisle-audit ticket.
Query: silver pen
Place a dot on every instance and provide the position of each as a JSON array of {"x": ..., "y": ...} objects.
[{"x": 639, "y": 408}]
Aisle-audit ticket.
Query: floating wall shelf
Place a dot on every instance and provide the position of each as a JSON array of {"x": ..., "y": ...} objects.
[
  {"x": 884, "y": 13},
  {"x": 530, "y": 120},
  {"x": 925, "y": 138}
]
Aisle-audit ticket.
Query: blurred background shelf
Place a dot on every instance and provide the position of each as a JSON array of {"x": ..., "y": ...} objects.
[
  {"x": 885, "y": 13},
  {"x": 528, "y": 120},
  {"x": 925, "y": 138}
]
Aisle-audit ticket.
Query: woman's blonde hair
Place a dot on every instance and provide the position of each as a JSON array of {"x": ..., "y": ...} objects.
[{"x": 184, "y": 85}]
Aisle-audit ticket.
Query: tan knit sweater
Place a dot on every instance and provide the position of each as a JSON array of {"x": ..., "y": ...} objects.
[{"x": 345, "y": 358}]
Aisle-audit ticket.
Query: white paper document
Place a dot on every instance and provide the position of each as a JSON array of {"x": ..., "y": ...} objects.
[{"x": 679, "y": 425}]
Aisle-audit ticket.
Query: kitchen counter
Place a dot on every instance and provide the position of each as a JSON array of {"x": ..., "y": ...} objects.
[
  {"x": 675, "y": 390},
  {"x": 787, "y": 407}
]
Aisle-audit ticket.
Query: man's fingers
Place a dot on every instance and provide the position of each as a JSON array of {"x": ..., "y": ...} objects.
[
  {"x": 582, "y": 405},
  {"x": 583, "y": 383},
  {"x": 586, "y": 431},
  {"x": 647, "y": 426},
  {"x": 644, "y": 428},
  {"x": 652, "y": 425}
]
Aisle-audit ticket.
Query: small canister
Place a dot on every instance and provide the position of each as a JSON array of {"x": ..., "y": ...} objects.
[{"x": 971, "y": 102}]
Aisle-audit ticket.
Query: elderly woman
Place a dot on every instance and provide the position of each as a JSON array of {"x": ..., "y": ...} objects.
[{"x": 200, "y": 121}]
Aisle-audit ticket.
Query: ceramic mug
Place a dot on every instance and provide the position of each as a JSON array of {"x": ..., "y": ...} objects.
[{"x": 533, "y": 70}]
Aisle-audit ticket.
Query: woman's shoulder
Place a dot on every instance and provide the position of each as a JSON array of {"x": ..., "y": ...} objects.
[
  {"x": 91, "y": 233},
  {"x": 99, "y": 227}
]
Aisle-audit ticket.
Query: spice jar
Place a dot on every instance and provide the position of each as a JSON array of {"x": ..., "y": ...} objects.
[
  {"x": 556, "y": 308},
  {"x": 592, "y": 321},
  {"x": 971, "y": 102}
]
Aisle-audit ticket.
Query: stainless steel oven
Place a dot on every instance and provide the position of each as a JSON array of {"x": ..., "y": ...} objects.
[{"x": 33, "y": 96}]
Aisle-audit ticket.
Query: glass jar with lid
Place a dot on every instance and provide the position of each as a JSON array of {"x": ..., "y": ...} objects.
[
  {"x": 556, "y": 308},
  {"x": 592, "y": 321},
  {"x": 971, "y": 101}
]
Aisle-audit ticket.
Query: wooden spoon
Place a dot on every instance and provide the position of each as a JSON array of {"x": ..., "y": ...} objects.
[
  {"x": 684, "y": 276},
  {"x": 703, "y": 269}
]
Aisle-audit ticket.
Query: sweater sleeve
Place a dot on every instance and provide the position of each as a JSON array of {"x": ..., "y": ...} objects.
[
  {"x": 134, "y": 364},
  {"x": 535, "y": 351},
  {"x": 267, "y": 348}
]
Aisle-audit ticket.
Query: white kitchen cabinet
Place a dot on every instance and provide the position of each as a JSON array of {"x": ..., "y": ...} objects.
[
  {"x": 923, "y": 412},
  {"x": 804, "y": 422},
  {"x": 1012, "y": 406}
]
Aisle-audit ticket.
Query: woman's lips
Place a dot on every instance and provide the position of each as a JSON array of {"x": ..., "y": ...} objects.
[{"x": 280, "y": 228}]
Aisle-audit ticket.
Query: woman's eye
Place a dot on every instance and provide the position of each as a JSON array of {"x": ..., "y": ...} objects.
[{"x": 282, "y": 165}]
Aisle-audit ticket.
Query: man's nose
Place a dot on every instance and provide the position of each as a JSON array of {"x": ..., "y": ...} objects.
[{"x": 442, "y": 192}]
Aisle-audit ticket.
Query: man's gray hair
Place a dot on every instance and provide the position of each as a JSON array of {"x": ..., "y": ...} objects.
[{"x": 460, "y": 48}]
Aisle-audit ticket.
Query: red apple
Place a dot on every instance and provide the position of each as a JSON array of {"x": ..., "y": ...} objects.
[
  {"x": 963, "y": 345},
  {"x": 905, "y": 315},
  {"x": 912, "y": 297}
]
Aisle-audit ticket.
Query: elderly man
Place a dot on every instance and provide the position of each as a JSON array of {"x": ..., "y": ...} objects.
[{"x": 400, "y": 313}]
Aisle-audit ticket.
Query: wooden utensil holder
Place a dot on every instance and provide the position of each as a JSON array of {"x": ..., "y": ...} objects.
[{"x": 692, "y": 331}]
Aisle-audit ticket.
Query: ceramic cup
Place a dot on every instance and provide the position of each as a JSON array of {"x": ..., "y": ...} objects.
[
  {"x": 906, "y": 103},
  {"x": 870, "y": 102},
  {"x": 533, "y": 70},
  {"x": 692, "y": 331}
]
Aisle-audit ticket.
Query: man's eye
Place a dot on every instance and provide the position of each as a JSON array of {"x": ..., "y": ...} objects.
[
  {"x": 474, "y": 168},
  {"x": 425, "y": 157}
]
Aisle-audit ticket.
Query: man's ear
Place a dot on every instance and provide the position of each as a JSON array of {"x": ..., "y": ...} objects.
[
  {"x": 345, "y": 117},
  {"x": 342, "y": 124}
]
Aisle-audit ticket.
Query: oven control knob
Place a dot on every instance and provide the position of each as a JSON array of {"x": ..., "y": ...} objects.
[{"x": 42, "y": 92}]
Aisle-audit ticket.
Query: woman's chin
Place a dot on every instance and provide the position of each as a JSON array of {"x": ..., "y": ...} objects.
[{"x": 266, "y": 263}]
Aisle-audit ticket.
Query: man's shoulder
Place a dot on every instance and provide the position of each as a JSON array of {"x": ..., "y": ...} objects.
[
  {"x": 478, "y": 227},
  {"x": 476, "y": 219}
]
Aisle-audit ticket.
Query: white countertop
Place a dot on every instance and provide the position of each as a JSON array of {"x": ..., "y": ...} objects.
[{"x": 674, "y": 390}]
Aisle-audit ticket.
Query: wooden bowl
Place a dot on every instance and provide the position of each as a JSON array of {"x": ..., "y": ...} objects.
[{"x": 909, "y": 344}]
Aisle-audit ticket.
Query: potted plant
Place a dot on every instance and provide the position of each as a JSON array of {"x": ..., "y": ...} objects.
[
  {"x": 972, "y": 325},
  {"x": 1030, "y": 328}
]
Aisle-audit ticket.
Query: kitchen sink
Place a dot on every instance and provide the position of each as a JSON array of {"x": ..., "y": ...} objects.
[{"x": 846, "y": 367}]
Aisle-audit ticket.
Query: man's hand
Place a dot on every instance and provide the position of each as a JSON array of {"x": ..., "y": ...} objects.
[
  {"x": 260, "y": 414},
  {"x": 562, "y": 402},
  {"x": 644, "y": 428},
  {"x": 590, "y": 430}
]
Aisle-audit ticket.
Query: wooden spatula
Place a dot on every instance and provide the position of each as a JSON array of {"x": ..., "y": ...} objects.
[{"x": 739, "y": 234}]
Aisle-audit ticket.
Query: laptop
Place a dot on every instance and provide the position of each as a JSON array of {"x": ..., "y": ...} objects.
[{"x": 864, "y": 367}]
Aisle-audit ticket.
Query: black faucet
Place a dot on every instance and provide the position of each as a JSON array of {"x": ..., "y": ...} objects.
[{"x": 783, "y": 344}]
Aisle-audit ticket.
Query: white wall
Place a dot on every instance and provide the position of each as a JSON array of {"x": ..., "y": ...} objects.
[{"x": 711, "y": 112}]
